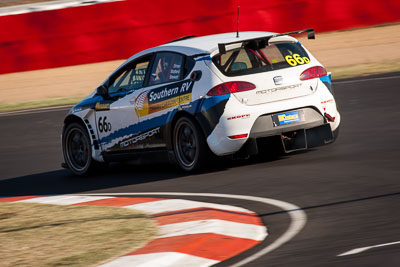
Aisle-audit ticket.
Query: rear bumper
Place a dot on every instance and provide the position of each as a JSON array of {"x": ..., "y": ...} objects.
[
  {"x": 300, "y": 139},
  {"x": 265, "y": 126},
  {"x": 311, "y": 130}
]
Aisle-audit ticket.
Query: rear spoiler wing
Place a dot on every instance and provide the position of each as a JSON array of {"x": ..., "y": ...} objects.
[{"x": 262, "y": 42}]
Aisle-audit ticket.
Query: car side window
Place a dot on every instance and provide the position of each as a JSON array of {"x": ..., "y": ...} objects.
[
  {"x": 167, "y": 67},
  {"x": 131, "y": 78}
]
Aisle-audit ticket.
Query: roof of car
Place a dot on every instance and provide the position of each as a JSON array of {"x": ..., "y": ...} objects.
[
  {"x": 200, "y": 45},
  {"x": 203, "y": 44},
  {"x": 210, "y": 43}
]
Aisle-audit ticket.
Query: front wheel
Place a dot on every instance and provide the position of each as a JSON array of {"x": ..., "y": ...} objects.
[
  {"x": 77, "y": 149},
  {"x": 190, "y": 147}
]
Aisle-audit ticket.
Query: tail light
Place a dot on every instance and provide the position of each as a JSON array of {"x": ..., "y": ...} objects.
[
  {"x": 312, "y": 73},
  {"x": 230, "y": 87}
]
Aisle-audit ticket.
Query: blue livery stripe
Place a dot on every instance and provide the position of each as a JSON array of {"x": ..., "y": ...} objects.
[
  {"x": 203, "y": 58},
  {"x": 326, "y": 79},
  {"x": 158, "y": 121}
]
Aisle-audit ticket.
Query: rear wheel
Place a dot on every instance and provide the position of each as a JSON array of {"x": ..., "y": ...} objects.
[
  {"x": 190, "y": 147},
  {"x": 77, "y": 149}
]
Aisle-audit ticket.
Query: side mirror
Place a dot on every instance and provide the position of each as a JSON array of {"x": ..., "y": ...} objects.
[{"x": 102, "y": 91}]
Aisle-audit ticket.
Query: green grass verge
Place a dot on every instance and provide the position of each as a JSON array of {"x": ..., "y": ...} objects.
[
  {"x": 55, "y": 235},
  {"x": 40, "y": 103}
]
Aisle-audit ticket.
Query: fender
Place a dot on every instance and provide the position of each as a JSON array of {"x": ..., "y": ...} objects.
[
  {"x": 210, "y": 112},
  {"x": 205, "y": 111},
  {"x": 86, "y": 118}
]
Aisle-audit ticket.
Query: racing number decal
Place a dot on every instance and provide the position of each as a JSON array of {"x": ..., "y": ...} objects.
[
  {"x": 103, "y": 125},
  {"x": 296, "y": 59}
]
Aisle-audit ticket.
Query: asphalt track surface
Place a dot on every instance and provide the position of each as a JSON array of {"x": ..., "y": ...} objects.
[{"x": 350, "y": 190}]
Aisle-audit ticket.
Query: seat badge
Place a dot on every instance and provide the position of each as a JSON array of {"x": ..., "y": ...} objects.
[{"x": 278, "y": 80}]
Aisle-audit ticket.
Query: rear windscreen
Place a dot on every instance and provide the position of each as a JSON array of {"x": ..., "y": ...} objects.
[{"x": 244, "y": 60}]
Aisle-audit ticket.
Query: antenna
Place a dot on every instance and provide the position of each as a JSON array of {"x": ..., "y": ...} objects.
[{"x": 237, "y": 24}]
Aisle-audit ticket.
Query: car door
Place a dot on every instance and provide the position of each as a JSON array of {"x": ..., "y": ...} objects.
[
  {"x": 165, "y": 91},
  {"x": 116, "y": 117}
]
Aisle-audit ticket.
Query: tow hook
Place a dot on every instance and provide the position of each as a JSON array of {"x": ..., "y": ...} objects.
[{"x": 329, "y": 117}]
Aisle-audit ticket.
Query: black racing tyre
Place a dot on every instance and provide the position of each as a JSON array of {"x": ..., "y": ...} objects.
[
  {"x": 190, "y": 147},
  {"x": 77, "y": 149}
]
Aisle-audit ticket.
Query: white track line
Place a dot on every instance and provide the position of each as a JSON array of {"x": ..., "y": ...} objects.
[
  {"x": 298, "y": 217},
  {"x": 359, "y": 250},
  {"x": 167, "y": 205},
  {"x": 161, "y": 259},
  {"x": 222, "y": 227},
  {"x": 62, "y": 199},
  {"x": 368, "y": 79}
]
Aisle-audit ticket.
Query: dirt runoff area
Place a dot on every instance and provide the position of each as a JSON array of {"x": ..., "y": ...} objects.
[{"x": 344, "y": 53}]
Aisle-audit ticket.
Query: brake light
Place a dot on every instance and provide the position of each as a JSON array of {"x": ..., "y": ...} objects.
[
  {"x": 230, "y": 87},
  {"x": 312, "y": 73}
]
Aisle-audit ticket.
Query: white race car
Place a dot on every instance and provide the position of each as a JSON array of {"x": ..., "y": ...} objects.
[{"x": 219, "y": 94}]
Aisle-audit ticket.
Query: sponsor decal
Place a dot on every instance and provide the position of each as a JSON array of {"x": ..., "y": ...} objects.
[
  {"x": 164, "y": 97},
  {"x": 274, "y": 90},
  {"x": 327, "y": 101},
  {"x": 100, "y": 106},
  {"x": 286, "y": 118},
  {"x": 186, "y": 106},
  {"x": 175, "y": 72},
  {"x": 246, "y": 116},
  {"x": 140, "y": 137}
]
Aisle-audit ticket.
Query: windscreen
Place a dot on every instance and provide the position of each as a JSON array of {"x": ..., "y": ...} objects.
[{"x": 246, "y": 60}]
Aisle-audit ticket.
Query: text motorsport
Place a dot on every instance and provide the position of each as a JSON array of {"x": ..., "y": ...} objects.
[{"x": 138, "y": 138}]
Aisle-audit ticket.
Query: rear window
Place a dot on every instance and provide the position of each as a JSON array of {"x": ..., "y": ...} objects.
[{"x": 245, "y": 60}]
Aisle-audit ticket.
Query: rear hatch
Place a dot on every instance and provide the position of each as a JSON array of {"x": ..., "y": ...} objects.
[{"x": 275, "y": 71}]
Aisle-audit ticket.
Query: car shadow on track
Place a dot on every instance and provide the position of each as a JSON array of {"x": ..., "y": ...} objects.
[
  {"x": 64, "y": 182},
  {"x": 116, "y": 175}
]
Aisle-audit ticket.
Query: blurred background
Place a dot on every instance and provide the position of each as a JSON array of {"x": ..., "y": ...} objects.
[
  {"x": 49, "y": 35},
  {"x": 55, "y": 52}
]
